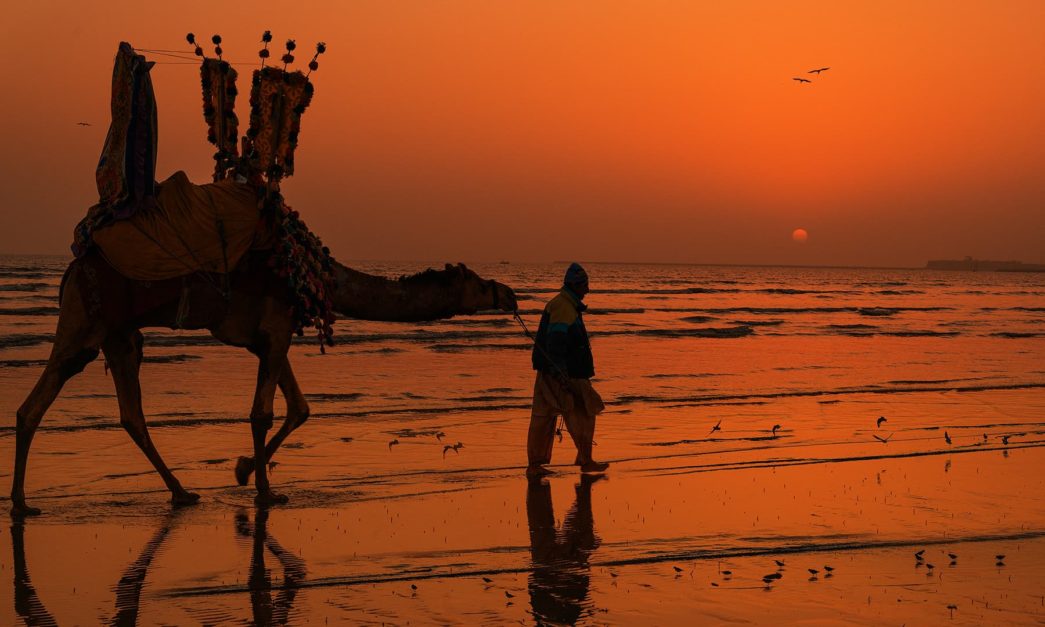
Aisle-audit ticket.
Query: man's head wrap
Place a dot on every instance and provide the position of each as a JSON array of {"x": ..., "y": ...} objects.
[{"x": 575, "y": 275}]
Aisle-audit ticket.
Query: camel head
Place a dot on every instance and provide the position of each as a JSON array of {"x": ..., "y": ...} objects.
[{"x": 479, "y": 294}]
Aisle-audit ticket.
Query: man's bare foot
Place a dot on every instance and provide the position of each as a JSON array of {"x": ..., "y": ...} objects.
[
  {"x": 184, "y": 497},
  {"x": 270, "y": 498},
  {"x": 536, "y": 472},
  {"x": 20, "y": 510},
  {"x": 244, "y": 466},
  {"x": 594, "y": 466}
]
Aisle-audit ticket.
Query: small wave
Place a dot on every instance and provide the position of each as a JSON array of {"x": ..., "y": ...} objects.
[
  {"x": 710, "y": 332},
  {"x": 330, "y": 397},
  {"x": 687, "y": 375},
  {"x": 759, "y": 323},
  {"x": 789, "y": 290},
  {"x": 457, "y": 348},
  {"x": 878, "y": 311},
  {"x": 22, "y": 363},
  {"x": 700, "y": 399},
  {"x": 24, "y": 339},
  {"x": 28, "y": 311},
  {"x": 469, "y": 322},
  {"x": 169, "y": 359},
  {"x": 1018, "y": 334},
  {"x": 698, "y": 319},
  {"x": 25, "y": 287}
]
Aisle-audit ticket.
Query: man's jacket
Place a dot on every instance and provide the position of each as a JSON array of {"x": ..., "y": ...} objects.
[{"x": 563, "y": 338}]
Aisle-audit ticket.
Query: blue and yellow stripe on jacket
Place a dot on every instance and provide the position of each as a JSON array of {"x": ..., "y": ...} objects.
[{"x": 562, "y": 340}]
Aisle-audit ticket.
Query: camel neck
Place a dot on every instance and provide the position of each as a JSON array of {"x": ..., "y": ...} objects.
[{"x": 430, "y": 295}]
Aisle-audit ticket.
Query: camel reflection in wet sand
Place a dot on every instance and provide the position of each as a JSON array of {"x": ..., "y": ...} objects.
[
  {"x": 30, "y": 607},
  {"x": 560, "y": 580},
  {"x": 266, "y": 611}
]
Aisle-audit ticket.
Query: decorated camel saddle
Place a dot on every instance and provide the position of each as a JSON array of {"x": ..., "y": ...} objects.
[{"x": 150, "y": 231}]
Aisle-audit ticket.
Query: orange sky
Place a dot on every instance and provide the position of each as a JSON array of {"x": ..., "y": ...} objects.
[{"x": 627, "y": 131}]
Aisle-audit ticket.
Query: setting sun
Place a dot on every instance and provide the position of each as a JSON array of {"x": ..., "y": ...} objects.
[{"x": 800, "y": 236}]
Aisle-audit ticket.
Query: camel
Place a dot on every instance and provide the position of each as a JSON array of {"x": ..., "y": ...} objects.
[{"x": 250, "y": 307}]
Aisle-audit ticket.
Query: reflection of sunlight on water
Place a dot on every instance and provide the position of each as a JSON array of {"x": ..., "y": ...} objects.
[{"x": 829, "y": 352}]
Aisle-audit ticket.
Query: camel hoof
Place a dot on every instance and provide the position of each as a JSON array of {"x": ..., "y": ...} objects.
[
  {"x": 179, "y": 499},
  {"x": 270, "y": 498},
  {"x": 244, "y": 467},
  {"x": 21, "y": 510}
]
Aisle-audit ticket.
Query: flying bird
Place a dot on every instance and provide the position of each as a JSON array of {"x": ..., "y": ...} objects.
[
  {"x": 818, "y": 70},
  {"x": 802, "y": 80},
  {"x": 717, "y": 427},
  {"x": 881, "y": 419},
  {"x": 881, "y": 439}
]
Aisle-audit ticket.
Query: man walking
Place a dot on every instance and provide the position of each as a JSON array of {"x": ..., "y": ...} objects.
[{"x": 564, "y": 364}]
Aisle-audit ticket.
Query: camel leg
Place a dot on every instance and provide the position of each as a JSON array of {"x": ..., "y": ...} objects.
[
  {"x": 72, "y": 351},
  {"x": 297, "y": 414},
  {"x": 272, "y": 357},
  {"x": 123, "y": 352}
]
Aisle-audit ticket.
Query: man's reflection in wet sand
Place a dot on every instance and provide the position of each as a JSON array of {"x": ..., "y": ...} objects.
[
  {"x": 27, "y": 603},
  {"x": 559, "y": 582},
  {"x": 266, "y": 610},
  {"x": 128, "y": 589}
]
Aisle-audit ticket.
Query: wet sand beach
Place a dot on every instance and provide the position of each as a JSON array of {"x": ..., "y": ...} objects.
[{"x": 686, "y": 526}]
